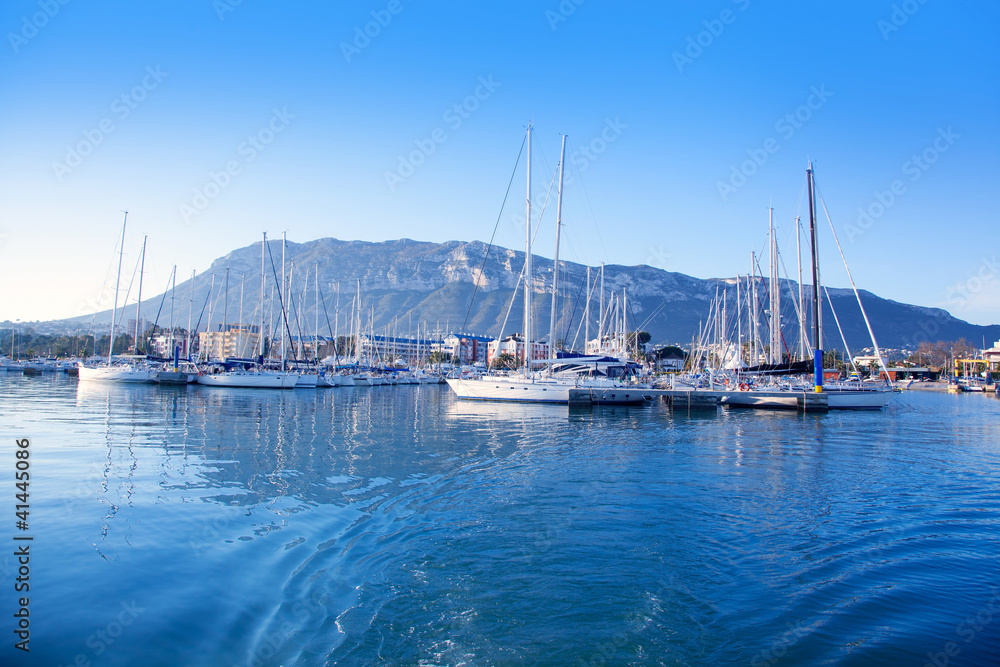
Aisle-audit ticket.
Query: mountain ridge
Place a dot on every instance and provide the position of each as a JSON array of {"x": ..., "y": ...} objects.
[{"x": 405, "y": 282}]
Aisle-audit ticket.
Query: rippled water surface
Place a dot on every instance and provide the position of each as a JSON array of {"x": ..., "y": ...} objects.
[{"x": 395, "y": 525}]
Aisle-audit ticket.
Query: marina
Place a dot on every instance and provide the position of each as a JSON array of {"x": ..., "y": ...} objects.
[
  {"x": 401, "y": 526},
  {"x": 573, "y": 334}
]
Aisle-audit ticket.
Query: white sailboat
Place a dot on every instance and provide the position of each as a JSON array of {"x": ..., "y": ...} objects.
[
  {"x": 106, "y": 371},
  {"x": 255, "y": 378},
  {"x": 532, "y": 386}
]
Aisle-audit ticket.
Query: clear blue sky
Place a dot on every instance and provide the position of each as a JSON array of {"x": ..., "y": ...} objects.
[{"x": 668, "y": 98}]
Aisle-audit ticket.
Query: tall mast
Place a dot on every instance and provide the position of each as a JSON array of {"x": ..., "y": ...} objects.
[
  {"x": 296, "y": 348},
  {"x": 754, "y": 322},
  {"x": 208, "y": 326},
  {"x": 802, "y": 313},
  {"x": 555, "y": 263},
  {"x": 114, "y": 307},
  {"x": 600, "y": 319},
  {"x": 624, "y": 337},
  {"x": 586, "y": 316},
  {"x": 336, "y": 327},
  {"x": 225, "y": 318},
  {"x": 187, "y": 340},
  {"x": 281, "y": 299},
  {"x": 260, "y": 333},
  {"x": 316, "y": 324},
  {"x": 775, "y": 295},
  {"x": 138, "y": 303},
  {"x": 173, "y": 291},
  {"x": 817, "y": 342},
  {"x": 239, "y": 345},
  {"x": 288, "y": 310},
  {"x": 357, "y": 328},
  {"x": 527, "y": 268}
]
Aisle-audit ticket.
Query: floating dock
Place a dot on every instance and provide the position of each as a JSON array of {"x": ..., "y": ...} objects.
[{"x": 705, "y": 399}]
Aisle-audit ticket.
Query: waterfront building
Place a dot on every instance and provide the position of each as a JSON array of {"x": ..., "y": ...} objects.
[
  {"x": 233, "y": 341},
  {"x": 387, "y": 349},
  {"x": 159, "y": 344},
  {"x": 514, "y": 346},
  {"x": 468, "y": 349},
  {"x": 992, "y": 356}
]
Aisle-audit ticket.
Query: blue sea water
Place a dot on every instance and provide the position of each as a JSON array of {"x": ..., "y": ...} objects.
[{"x": 396, "y": 525}]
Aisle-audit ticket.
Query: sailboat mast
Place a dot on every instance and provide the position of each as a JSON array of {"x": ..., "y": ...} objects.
[
  {"x": 316, "y": 324},
  {"x": 356, "y": 316},
  {"x": 586, "y": 316},
  {"x": 739, "y": 324},
  {"x": 336, "y": 326},
  {"x": 225, "y": 317},
  {"x": 138, "y": 303},
  {"x": 187, "y": 340},
  {"x": 817, "y": 342},
  {"x": 802, "y": 313},
  {"x": 281, "y": 299},
  {"x": 623, "y": 345},
  {"x": 775, "y": 334},
  {"x": 208, "y": 326},
  {"x": 555, "y": 263},
  {"x": 114, "y": 307},
  {"x": 754, "y": 322},
  {"x": 239, "y": 344},
  {"x": 173, "y": 291},
  {"x": 600, "y": 320},
  {"x": 288, "y": 310},
  {"x": 527, "y": 268},
  {"x": 260, "y": 333}
]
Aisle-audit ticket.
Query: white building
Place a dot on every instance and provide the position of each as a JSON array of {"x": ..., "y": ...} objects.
[
  {"x": 992, "y": 357},
  {"x": 159, "y": 345},
  {"x": 387, "y": 349},
  {"x": 237, "y": 341},
  {"x": 467, "y": 348},
  {"x": 514, "y": 346}
]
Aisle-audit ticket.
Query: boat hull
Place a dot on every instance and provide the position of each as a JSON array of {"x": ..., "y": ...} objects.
[
  {"x": 249, "y": 380},
  {"x": 509, "y": 389},
  {"x": 176, "y": 377},
  {"x": 767, "y": 400},
  {"x": 307, "y": 381},
  {"x": 114, "y": 374}
]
